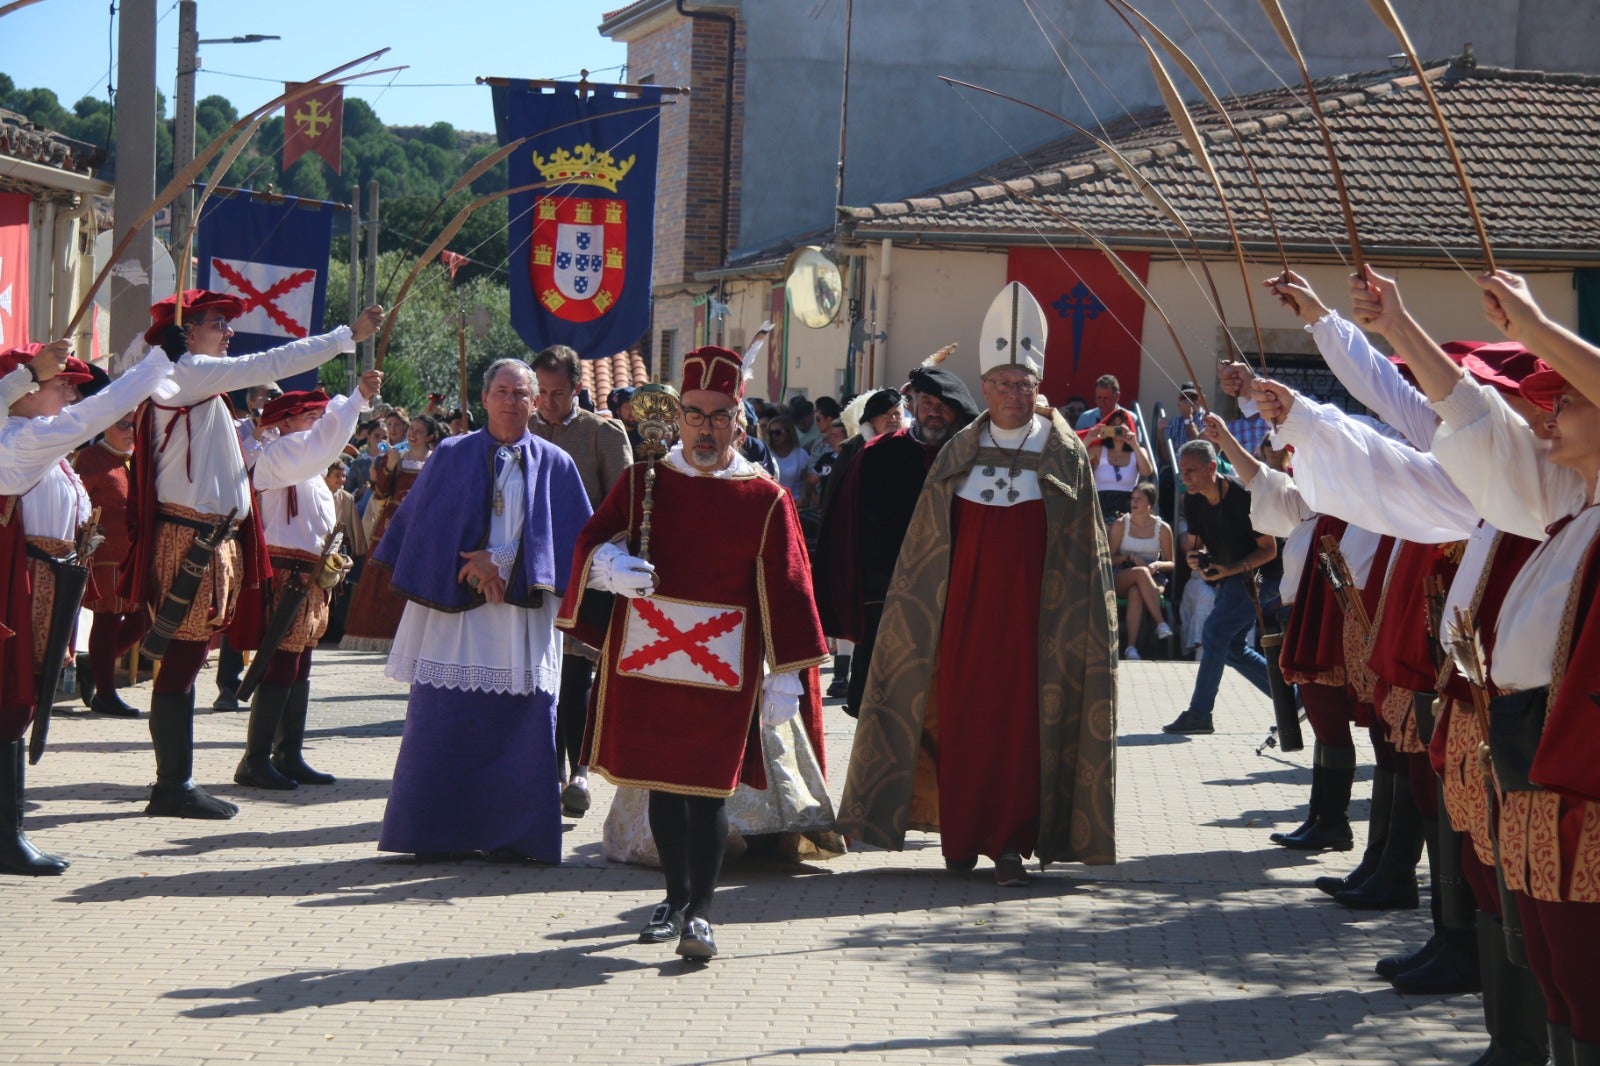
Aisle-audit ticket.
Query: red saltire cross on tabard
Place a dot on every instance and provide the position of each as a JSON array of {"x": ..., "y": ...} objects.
[
  {"x": 691, "y": 642},
  {"x": 267, "y": 301}
]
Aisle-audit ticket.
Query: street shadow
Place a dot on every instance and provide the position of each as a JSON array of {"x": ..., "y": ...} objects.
[
  {"x": 391, "y": 727},
  {"x": 343, "y": 790},
  {"x": 424, "y": 981},
  {"x": 321, "y": 836},
  {"x": 362, "y": 697},
  {"x": 1150, "y": 740}
]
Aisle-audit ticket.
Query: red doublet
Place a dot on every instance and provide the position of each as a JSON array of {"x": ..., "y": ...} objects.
[
  {"x": 16, "y": 648},
  {"x": 106, "y": 478},
  {"x": 680, "y": 672}
]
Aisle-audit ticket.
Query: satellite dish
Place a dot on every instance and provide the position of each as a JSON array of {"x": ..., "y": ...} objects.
[
  {"x": 163, "y": 278},
  {"x": 815, "y": 286}
]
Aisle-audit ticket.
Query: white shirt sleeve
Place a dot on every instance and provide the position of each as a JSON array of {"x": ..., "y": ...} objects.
[
  {"x": 1276, "y": 506},
  {"x": 202, "y": 376},
  {"x": 1347, "y": 469},
  {"x": 1502, "y": 467},
  {"x": 15, "y": 385},
  {"x": 1373, "y": 379},
  {"x": 38, "y": 442},
  {"x": 289, "y": 460}
]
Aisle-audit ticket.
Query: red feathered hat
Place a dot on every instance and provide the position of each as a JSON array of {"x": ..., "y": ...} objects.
[
  {"x": 75, "y": 372},
  {"x": 291, "y": 404},
  {"x": 164, "y": 312},
  {"x": 714, "y": 368}
]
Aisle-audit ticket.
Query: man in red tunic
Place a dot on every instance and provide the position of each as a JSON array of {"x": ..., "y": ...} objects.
[
  {"x": 725, "y": 597},
  {"x": 118, "y": 623},
  {"x": 989, "y": 713}
]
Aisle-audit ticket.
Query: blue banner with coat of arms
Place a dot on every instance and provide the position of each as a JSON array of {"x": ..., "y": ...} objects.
[{"x": 581, "y": 242}]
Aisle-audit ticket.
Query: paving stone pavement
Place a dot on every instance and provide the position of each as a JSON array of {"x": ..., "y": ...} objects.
[{"x": 284, "y": 936}]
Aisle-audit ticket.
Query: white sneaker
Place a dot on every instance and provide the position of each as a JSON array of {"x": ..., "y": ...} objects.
[
  {"x": 1130, "y": 652},
  {"x": 1163, "y": 631}
]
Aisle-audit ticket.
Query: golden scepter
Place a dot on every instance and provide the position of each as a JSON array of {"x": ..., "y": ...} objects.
[{"x": 655, "y": 406}]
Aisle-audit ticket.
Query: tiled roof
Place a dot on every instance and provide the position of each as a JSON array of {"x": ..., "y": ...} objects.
[
  {"x": 623, "y": 370},
  {"x": 1530, "y": 142}
]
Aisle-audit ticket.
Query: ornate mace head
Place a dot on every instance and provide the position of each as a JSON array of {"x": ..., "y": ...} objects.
[{"x": 655, "y": 407}]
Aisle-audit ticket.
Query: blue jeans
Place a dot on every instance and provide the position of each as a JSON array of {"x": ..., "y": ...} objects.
[{"x": 1222, "y": 644}]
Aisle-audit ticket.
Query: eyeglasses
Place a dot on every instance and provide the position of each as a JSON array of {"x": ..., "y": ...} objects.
[
  {"x": 212, "y": 323},
  {"x": 1018, "y": 388},
  {"x": 695, "y": 418}
]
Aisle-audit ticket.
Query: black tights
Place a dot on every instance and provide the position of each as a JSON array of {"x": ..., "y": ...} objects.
[
  {"x": 691, "y": 835},
  {"x": 572, "y": 708}
]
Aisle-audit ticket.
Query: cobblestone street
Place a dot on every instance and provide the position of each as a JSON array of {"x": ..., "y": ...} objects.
[{"x": 284, "y": 936}]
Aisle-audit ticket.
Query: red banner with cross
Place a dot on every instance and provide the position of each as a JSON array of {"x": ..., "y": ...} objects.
[
  {"x": 14, "y": 269},
  {"x": 1096, "y": 319}
]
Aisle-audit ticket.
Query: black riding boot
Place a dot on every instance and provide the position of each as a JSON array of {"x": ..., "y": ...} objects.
[
  {"x": 840, "y": 685},
  {"x": 287, "y": 755},
  {"x": 17, "y": 853},
  {"x": 1394, "y": 883},
  {"x": 1513, "y": 1005},
  {"x": 1312, "y": 807},
  {"x": 1330, "y": 830},
  {"x": 1452, "y": 966},
  {"x": 175, "y": 795},
  {"x": 1377, "y": 836},
  {"x": 256, "y": 769}
]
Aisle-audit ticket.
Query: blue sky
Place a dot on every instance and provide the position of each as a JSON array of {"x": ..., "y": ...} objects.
[{"x": 63, "y": 45}]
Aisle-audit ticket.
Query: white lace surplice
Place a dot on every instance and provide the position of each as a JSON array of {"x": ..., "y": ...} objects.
[{"x": 492, "y": 648}]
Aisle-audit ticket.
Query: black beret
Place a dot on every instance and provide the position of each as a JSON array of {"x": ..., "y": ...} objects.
[
  {"x": 880, "y": 403},
  {"x": 941, "y": 384}
]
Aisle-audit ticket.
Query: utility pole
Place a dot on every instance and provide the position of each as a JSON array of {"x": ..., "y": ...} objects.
[
  {"x": 136, "y": 166},
  {"x": 183, "y": 127},
  {"x": 355, "y": 277}
]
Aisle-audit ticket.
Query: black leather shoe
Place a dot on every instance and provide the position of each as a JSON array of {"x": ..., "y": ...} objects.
[
  {"x": 1305, "y": 827},
  {"x": 697, "y": 944},
  {"x": 666, "y": 923},
  {"x": 961, "y": 866},
  {"x": 1324, "y": 836},
  {"x": 575, "y": 800},
  {"x": 85, "y": 680},
  {"x": 190, "y": 802},
  {"x": 257, "y": 771},
  {"x": 1452, "y": 969},
  {"x": 1391, "y": 966},
  {"x": 227, "y": 701},
  {"x": 109, "y": 703}
]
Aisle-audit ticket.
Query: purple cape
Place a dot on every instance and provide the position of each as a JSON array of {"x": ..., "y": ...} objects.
[{"x": 447, "y": 512}]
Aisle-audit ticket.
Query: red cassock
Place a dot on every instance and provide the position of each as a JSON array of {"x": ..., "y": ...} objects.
[{"x": 675, "y": 705}]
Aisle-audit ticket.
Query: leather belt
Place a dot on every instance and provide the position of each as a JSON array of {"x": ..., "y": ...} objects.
[{"x": 197, "y": 525}]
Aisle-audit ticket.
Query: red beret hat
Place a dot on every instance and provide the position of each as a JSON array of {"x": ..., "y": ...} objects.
[
  {"x": 1504, "y": 364},
  {"x": 1543, "y": 388},
  {"x": 163, "y": 312},
  {"x": 291, "y": 404},
  {"x": 75, "y": 372}
]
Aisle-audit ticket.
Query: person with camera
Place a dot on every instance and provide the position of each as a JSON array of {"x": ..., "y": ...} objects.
[
  {"x": 1224, "y": 551},
  {"x": 302, "y": 432},
  {"x": 1120, "y": 462}
]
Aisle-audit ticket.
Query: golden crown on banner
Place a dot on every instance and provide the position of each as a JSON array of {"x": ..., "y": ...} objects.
[{"x": 583, "y": 167}]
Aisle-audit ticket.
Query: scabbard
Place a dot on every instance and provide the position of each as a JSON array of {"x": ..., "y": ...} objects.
[
  {"x": 180, "y": 596},
  {"x": 294, "y": 596},
  {"x": 72, "y": 580},
  {"x": 1285, "y": 711}
]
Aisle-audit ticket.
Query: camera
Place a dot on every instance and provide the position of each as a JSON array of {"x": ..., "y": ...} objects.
[
  {"x": 1202, "y": 559},
  {"x": 1120, "y": 431}
]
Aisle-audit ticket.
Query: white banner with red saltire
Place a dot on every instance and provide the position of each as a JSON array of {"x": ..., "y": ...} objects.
[{"x": 272, "y": 253}]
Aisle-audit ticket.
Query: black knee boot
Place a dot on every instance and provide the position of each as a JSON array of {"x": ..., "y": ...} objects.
[
  {"x": 1393, "y": 883},
  {"x": 266, "y": 712},
  {"x": 1513, "y": 1005},
  {"x": 17, "y": 853},
  {"x": 1377, "y": 834},
  {"x": 840, "y": 685},
  {"x": 288, "y": 756},
  {"x": 175, "y": 795},
  {"x": 1452, "y": 964},
  {"x": 1335, "y": 769}
]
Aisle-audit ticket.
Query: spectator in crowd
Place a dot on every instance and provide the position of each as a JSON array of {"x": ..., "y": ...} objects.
[
  {"x": 1107, "y": 397},
  {"x": 822, "y": 465},
  {"x": 1225, "y": 552},
  {"x": 803, "y": 413},
  {"x": 827, "y": 412},
  {"x": 398, "y": 425},
  {"x": 1119, "y": 462},
  {"x": 1142, "y": 559},
  {"x": 373, "y": 441},
  {"x": 619, "y": 403},
  {"x": 1180, "y": 429},
  {"x": 374, "y": 612},
  {"x": 348, "y": 522},
  {"x": 790, "y": 456},
  {"x": 1073, "y": 410}
]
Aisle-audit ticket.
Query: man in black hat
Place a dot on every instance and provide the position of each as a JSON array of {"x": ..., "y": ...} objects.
[{"x": 866, "y": 519}]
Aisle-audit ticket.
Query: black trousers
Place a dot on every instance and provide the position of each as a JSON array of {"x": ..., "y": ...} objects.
[
  {"x": 572, "y": 708},
  {"x": 861, "y": 657},
  {"x": 691, "y": 836},
  {"x": 230, "y": 667}
]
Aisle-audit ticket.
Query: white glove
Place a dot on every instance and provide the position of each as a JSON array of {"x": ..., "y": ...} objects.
[
  {"x": 614, "y": 570},
  {"x": 780, "y": 698}
]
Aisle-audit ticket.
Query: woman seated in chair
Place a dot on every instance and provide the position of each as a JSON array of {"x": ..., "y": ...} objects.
[{"x": 1142, "y": 556}]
